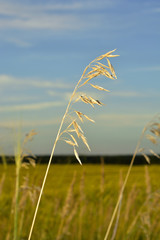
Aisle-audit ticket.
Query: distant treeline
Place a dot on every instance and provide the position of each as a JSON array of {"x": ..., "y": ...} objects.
[{"x": 116, "y": 159}]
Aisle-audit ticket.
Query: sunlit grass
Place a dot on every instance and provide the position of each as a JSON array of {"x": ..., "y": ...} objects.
[{"x": 83, "y": 216}]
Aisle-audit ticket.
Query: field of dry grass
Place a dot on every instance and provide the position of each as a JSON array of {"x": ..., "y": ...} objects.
[{"x": 78, "y": 202}]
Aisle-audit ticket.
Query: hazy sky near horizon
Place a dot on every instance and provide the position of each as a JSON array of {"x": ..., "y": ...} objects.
[{"x": 45, "y": 46}]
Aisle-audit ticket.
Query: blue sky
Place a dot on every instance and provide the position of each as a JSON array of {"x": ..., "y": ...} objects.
[{"x": 45, "y": 46}]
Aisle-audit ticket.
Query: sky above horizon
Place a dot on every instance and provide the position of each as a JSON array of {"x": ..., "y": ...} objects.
[{"x": 45, "y": 46}]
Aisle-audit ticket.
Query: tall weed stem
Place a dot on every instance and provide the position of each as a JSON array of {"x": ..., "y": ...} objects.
[
  {"x": 51, "y": 156},
  {"x": 124, "y": 185},
  {"x": 17, "y": 189}
]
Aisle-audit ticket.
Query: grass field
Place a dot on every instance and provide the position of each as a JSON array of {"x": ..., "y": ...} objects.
[{"x": 78, "y": 202}]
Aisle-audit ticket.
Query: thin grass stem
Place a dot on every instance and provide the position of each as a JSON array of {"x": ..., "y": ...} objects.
[
  {"x": 123, "y": 187},
  {"x": 17, "y": 188},
  {"x": 52, "y": 153}
]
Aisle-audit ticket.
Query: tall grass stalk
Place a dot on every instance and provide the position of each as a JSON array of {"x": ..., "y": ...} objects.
[
  {"x": 97, "y": 69},
  {"x": 124, "y": 185},
  {"x": 118, "y": 212},
  {"x": 49, "y": 163},
  {"x": 4, "y": 162},
  {"x": 17, "y": 188},
  {"x": 20, "y": 153},
  {"x": 81, "y": 205},
  {"x": 154, "y": 128},
  {"x": 67, "y": 207}
]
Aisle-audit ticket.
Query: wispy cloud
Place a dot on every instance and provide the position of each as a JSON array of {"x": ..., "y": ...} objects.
[
  {"x": 25, "y": 16},
  {"x": 121, "y": 120},
  {"x": 30, "y": 107},
  {"x": 17, "y": 17},
  {"x": 6, "y": 80},
  {"x": 65, "y": 95},
  {"x": 28, "y": 10},
  {"x": 52, "y": 16},
  {"x": 18, "y": 42}
]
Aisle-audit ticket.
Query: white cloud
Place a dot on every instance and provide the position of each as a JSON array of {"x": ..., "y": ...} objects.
[
  {"x": 6, "y": 80},
  {"x": 26, "y": 10},
  {"x": 65, "y": 95},
  {"x": 30, "y": 107},
  {"x": 18, "y": 42},
  {"x": 54, "y": 16},
  {"x": 20, "y": 16},
  {"x": 121, "y": 120},
  {"x": 51, "y": 18},
  {"x": 55, "y": 22}
]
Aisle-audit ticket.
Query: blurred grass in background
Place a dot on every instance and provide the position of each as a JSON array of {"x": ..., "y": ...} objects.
[{"x": 78, "y": 202}]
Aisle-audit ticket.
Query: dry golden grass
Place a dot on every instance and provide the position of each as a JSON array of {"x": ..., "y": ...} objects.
[{"x": 93, "y": 70}]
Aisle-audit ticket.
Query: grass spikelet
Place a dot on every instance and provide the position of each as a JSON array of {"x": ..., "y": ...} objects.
[
  {"x": 107, "y": 55},
  {"x": 74, "y": 139},
  {"x": 69, "y": 142},
  {"x": 155, "y": 154},
  {"x": 68, "y": 127},
  {"x": 88, "y": 118},
  {"x": 146, "y": 158},
  {"x": 85, "y": 141},
  {"x": 79, "y": 114},
  {"x": 99, "y": 88},
  {"x": 29, "y": 136},
  {"x": 151, "y": 138},
  {"x": 111, "y": 69},
  {"x": 102, "y": 65},
  {"x": 155, "y": 131},
  {"x": 77, "y": 128},
  {"x": 95, "y": 101},
  {"x": 77, "y": 156},
  {"x": 87, "y": 100},
  {"x": 91, "y": 76},
  {"x": 103, "y": 71}
]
